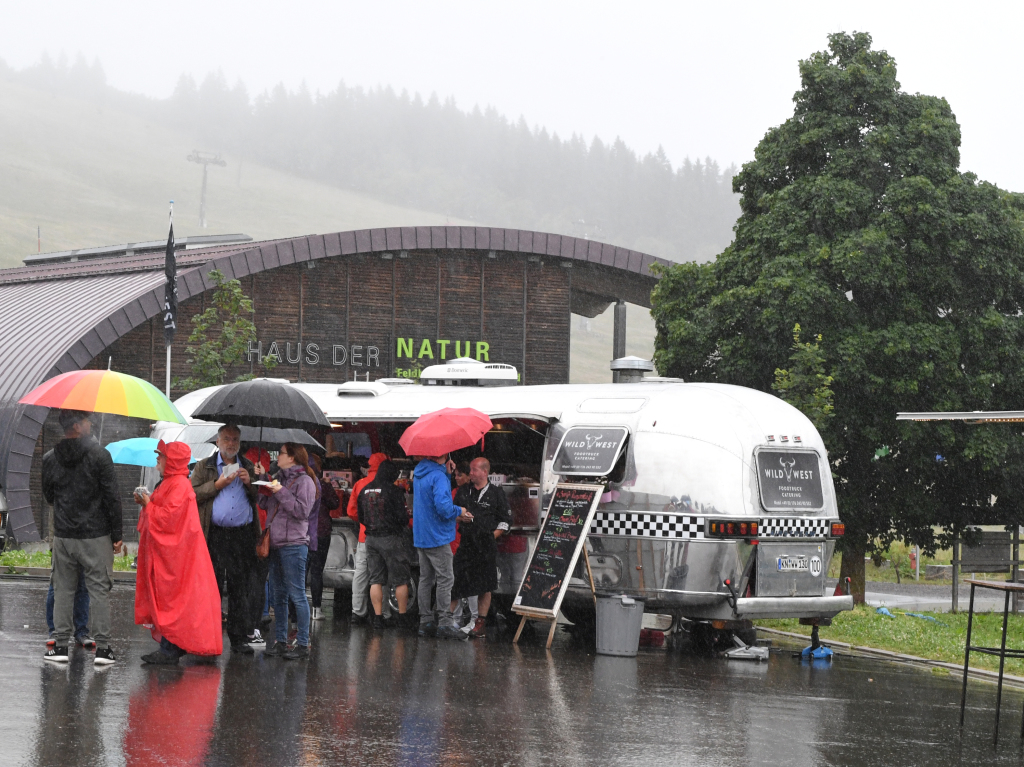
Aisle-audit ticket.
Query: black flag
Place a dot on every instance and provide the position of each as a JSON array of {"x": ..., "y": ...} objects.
[{"x": 170, "y": 288}]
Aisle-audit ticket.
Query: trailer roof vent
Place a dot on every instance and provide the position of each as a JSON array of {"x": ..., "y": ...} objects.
[
  {"x": 362, "y": 389},
  {"x": 630, "y": 369},
  {"x": 465, "y": 371}
]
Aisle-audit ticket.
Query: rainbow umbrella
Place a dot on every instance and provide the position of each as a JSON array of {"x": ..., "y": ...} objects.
[{"x": 104, "y": 391}]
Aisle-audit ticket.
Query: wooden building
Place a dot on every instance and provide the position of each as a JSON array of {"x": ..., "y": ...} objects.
[{"x": 369, "y": 304}]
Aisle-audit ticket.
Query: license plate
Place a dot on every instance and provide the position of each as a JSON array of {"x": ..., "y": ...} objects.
[{"x": 792, "y": 564}]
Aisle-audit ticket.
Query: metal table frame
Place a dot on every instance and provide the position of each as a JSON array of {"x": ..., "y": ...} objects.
[{"x": 1001, "y": 651}]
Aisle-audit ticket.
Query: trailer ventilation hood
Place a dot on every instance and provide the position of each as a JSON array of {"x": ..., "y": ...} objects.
[
  {"x": 362, "y": 389},
  {"x": 465, "y": 371}
]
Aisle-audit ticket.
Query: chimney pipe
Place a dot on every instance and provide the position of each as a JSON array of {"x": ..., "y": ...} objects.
[{"x": 630, "y": 369}]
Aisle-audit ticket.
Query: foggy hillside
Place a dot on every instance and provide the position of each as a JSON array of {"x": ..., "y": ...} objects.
[
  {"x": 94, "y": 171},
  {"x": 430, "y": 155}
]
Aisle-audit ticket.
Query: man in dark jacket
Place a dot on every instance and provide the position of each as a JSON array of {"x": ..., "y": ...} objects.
[
  {"x": 79, "y": 482},
  {"x": 382, "y": 511},
  {"x": 475, "y": 563},
  {"x": 227, "y": 499}
]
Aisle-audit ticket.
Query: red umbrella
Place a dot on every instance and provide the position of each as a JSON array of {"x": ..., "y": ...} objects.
[{"x": 445, "y": 430}]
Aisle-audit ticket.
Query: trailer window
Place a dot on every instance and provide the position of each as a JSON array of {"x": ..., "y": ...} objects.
[{"x": 514, "y": 447}]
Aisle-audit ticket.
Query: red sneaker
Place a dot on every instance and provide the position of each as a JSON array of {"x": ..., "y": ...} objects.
[{"x": 479, "y": 628}]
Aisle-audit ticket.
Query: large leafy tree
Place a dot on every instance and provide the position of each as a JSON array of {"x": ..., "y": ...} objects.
[{"x": 857, "y": 224}]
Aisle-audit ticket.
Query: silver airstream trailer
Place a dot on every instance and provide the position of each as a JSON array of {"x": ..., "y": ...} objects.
[{"x": 719, "y": 503}]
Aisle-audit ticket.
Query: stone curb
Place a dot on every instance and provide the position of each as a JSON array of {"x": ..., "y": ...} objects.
[
  {"x": 43, "y": 573},
  {"x": 1009, "y": 680}
]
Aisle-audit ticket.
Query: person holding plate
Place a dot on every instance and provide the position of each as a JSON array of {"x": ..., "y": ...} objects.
[
  {"x": 227, "y": 502},
  {"x": 295, "y": 496}
]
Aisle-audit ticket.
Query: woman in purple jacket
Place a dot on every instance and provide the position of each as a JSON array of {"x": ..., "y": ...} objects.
[{"x": 295, "y": 494}]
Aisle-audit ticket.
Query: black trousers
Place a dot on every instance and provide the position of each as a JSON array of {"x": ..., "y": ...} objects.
[
  {"x": 315, "y": 564},
  {"x": 233, "y": 553},
  {"x": 257, "y": 592}
]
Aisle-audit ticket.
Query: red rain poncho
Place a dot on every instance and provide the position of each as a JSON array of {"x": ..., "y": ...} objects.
[{"x": 176, "y": 592}]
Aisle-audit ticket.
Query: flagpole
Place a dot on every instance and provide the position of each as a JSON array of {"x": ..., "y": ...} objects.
[{"x": 170, "y": 298}]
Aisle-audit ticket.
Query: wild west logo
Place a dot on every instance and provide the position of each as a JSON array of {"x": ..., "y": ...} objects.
[
  {"x": 788, "y": 470},
  {"x": 591, "y": 442},
  {"x": 788, "y": 467}
]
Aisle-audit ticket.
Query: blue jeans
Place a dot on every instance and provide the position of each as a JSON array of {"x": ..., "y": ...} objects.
[
  {"x": 288, "y": 582},
  {"x": 81, "y": 608}
]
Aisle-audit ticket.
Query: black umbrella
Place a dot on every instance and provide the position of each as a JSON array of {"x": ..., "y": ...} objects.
[{"x": 263, "y": 403}]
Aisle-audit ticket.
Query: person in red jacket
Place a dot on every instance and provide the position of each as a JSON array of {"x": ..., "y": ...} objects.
[
  {"x": 176, "y": 594},
  {"x": 361, "y": 576}
]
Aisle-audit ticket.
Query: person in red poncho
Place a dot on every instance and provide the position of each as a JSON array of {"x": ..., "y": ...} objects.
[{"x": 176, "y": 593}]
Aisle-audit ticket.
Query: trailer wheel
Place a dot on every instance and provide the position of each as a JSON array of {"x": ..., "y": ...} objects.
[
  {"x": 702, "y": 637},
  {"x": 413, "y": 605}
]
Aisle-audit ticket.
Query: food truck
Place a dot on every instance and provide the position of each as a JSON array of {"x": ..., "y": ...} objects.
[{"x": 718, "y": 501}]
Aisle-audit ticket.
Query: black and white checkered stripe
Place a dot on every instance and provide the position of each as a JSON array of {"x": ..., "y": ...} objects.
[
  {"x": 641, "y": 525},
  {"x": 793, "y": 527}
]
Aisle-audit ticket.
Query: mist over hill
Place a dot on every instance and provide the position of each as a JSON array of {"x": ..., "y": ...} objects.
[{"x": 430, "y": 155}]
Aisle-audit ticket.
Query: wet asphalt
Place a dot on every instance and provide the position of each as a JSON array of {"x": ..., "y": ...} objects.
[{"x": 386, "y": 698}]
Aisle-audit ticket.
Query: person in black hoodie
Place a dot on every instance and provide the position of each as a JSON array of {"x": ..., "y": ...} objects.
[
  {"x": 383, "y": 512},
  {"x": 79, "y": 482}
]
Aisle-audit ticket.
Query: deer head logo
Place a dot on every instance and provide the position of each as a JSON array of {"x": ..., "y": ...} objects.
[{"x": 788, "y": 467}]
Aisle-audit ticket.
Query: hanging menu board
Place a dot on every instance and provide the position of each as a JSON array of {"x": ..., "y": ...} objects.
[
  {"x": 789, "y": 480},
  {"x": 561, "y": 538}
]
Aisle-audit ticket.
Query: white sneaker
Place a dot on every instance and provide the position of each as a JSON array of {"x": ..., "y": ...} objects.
[
  {"x": 256, "y": 639},
  {"x": 318, "y": 614}
]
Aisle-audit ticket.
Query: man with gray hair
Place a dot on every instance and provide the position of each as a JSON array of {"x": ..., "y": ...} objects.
[
  {"x": 79, "y": 482},
  {"x": 227, "y": 498}
]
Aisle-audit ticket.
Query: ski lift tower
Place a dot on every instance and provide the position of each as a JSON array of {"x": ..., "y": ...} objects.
[{"x": 206, "y": 159}]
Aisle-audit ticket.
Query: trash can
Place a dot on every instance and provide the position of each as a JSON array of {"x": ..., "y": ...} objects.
[{"x": 619, "y": 620}]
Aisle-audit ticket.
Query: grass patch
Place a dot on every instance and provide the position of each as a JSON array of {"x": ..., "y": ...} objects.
[
  {"x": 887, "y": 573},
  {"x": 16, "y": 558},
  {"x": 923, "y": 638}
]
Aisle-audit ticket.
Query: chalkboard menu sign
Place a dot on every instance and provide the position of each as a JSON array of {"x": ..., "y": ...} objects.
[
  {"x": 789, "y": 480},
  {"x": 559, "y": 542},
  {"x": 589, "y": 451}
]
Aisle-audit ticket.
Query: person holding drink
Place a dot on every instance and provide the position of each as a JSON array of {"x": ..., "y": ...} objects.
[{"x": 176, "y": 592}]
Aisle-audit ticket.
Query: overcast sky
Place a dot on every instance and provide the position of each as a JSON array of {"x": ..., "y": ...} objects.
[{"x": 701, "y": 79}]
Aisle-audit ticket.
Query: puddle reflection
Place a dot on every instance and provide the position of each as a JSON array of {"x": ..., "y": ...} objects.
[{"x": 171, "y": 716}]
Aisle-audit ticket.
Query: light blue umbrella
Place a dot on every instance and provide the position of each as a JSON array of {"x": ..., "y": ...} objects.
[{"x": 140, "y": 451}]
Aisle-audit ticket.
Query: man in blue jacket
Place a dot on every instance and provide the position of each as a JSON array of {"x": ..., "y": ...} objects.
[{"x": 433, "y": 529}]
